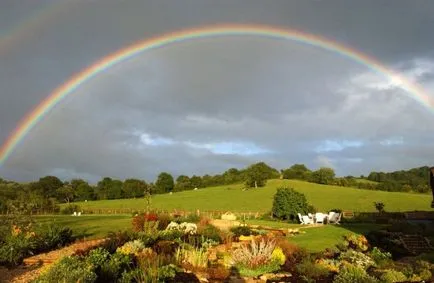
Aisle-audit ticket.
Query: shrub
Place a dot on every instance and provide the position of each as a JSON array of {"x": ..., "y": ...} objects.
[
  {"x": 287, "y": 203},
  {"x": 310, "y": 271},
  {"x": 163, "y": 221},
  {"x": 242, "y": 231},
  {"x": 210, "y": 232},
  {"x": 392, "y": 276},
  {"x": 52, "y": 236},
  {"x": 357, "y": 258},
  {"x": 97, "y": 257},
  {"x": 68, "y": 269},
  {"x": 132, "y": 247},
  {"x": 196, "y": 258},
  {"x": 15, "y": 249},
  {"x": 379, "y": 206},
  {"x": 254, "y": 255},
  {"x": 356, "y": 242},
  {"x": 354, "y": 274},
  {"x": 380, "y": 257},
  {"x": 70, "y": 209},
  {"x": 117, "y": 239},
  {"x": 112, "y": 269}
]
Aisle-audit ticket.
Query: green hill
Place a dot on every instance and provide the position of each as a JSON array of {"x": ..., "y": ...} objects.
[{"x": 233, "y": 198}]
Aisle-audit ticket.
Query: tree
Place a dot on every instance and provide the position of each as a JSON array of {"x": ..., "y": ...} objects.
[
  {"x": 85, "y": 192},
  {"x": 164, "y": 183},
  {"x": 297, "y": 171},
  {"x": 288, "y": 202},
  {"x": 258, "y": 174},
  {"x": 48, "y": 186},
  {"x": 133, "y": 188},
  {"x": 103, "y": 188},
  {"x": 183, "y": 183},
  {"x": 324, "y": 175},
  {"x": 66, "y": 193},
  {"x": 115, "y": 190},
  {"x": 196, "y": 181}
]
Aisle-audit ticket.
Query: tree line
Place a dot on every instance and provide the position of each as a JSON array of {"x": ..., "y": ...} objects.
[{"x": 49, "y": 190}]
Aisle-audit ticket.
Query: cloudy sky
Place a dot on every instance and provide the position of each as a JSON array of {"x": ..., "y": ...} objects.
[{"x": 206, "y": 105}]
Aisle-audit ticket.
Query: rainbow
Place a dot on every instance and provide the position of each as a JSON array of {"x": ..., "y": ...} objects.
[
  {"x": 9, "y": 38},
  {"x": 36, "y": 115}
]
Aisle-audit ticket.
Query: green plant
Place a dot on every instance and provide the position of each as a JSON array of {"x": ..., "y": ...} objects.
[
  {"x": 97, "y": 257},
  {"x": 242, "y": 231},
  {"x": 379, "y": 206},
  {"x": 288, "y": 202},
  {"x": 310, "y": 271},
  {"x": 190, "y": 256},
  {"x": 70, "y": 209},
  {"x": 69, "y": 270},
  {"x": 357, "y": 258},
  {"x": 356, "y": 242},
  {"x": 111, "y": 270},
  {"x": 51, "y": 236},
  {"x": 392, "y": 276},
  {"x": 132, "y": 247},
  {"x": 210, "y": 232},
  {"x": 354, "y": 274},
  {"x": 257, "y": 258},
  {"x": 380, "y": 257},
  {"x": 15, "y": 248}
]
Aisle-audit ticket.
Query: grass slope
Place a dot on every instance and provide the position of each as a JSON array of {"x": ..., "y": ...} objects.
[{"x": 233, "y": 198}]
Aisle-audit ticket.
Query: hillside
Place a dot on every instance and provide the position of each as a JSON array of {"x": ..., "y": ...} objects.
[{"x": 233, "y": 198}]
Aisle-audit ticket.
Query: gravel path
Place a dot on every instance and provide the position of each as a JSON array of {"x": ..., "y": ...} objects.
[{"x": 33, "y": 266}]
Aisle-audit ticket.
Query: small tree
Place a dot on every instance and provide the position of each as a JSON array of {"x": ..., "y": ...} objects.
[
  {"x": 288, "y": 202},
  {"x": 379, "y": 206}
]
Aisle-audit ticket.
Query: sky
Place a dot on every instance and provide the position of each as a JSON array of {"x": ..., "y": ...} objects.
[{"x": 207, "y": 105}]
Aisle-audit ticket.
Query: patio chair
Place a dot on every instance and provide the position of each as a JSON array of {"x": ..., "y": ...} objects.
[
  {"x": 335, "y": 218},
  {"x": 319, "y": 217}
]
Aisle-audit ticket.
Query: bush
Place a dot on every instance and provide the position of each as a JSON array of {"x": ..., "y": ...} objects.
[
  {"x": 97, "y": 257},
  {"x": 380, "y": 257},
  {"x": 52, "y": 236},
  {"x": 163, "y": 221},
  {"x": 112, "y": 269},
  {"x": 138, "y": 223},
  {"x": 258, "y": 258},
  {"x": 15, "y": 249},
  {"x": 392, "y": 276},
  {"x": 68, "y": 269},
  {"x": 70, "y": 209},
  {"x": 288, "y": 202},
  {"x": 357, "y": 258},
  {"x": 310, "y": 271},
  {"x": 210, "y": 232},
  {"x": 354, "y": 274},
  {"x": 241, "y": 231}
]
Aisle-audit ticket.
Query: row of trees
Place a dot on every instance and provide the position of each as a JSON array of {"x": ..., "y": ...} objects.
[
  {"x": 44, "y": 193},
  {"x": 413, "y": 180}
]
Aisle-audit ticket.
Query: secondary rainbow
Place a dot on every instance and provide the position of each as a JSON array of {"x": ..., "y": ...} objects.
[{"x": 35, "y": 116}]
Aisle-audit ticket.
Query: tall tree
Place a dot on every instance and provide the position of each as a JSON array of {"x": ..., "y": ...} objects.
[
  {"x": 133, "y": 188},
  {"x": 183, "y": 183},
  {"x": 164, "y": 183}
]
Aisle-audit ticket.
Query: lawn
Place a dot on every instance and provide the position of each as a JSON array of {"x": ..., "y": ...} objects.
[
  {"x": 315, "y": 239},
  {"x": 233, "y": 198},
  {"x": 90, "y": 226}
]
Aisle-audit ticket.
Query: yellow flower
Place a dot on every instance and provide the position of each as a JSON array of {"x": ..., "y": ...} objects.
[{"x": 278, "y": 255}]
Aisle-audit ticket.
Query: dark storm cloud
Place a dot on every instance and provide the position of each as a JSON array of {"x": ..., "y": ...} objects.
[{"x": 281, "y": 97}]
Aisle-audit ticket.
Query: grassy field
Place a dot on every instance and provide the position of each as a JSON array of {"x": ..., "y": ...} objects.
[
  {"x": 315, "y": 239},
  {"x": 233, "y": 198},
  {"x": 359, "y": 180},
  {"x": 90, "y": 226}
]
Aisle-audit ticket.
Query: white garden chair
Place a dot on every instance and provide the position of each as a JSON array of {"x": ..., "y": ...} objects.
[
  {"x": 335, "y": 217},
  {"x": 319, "y": 217}
]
